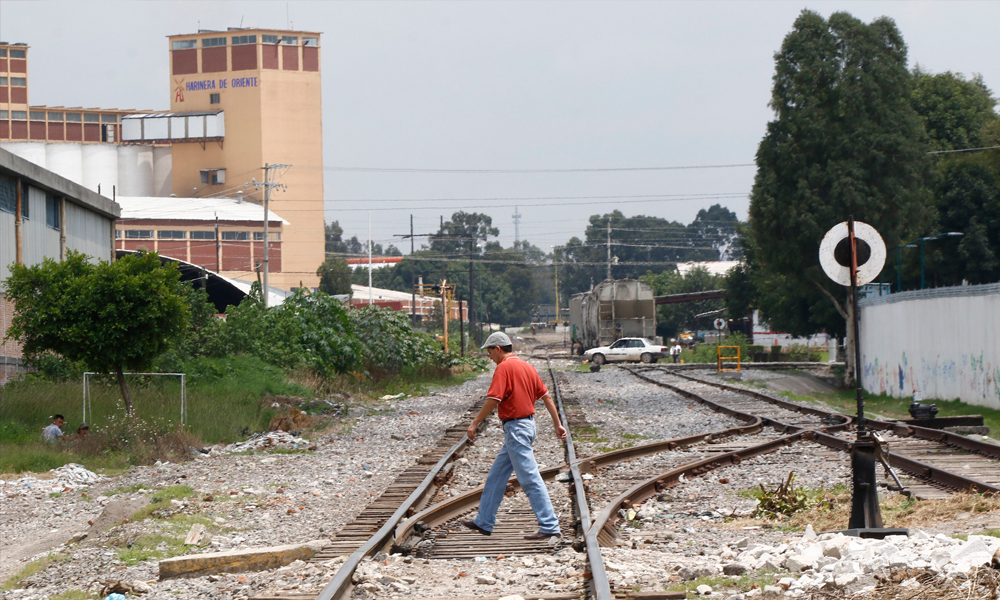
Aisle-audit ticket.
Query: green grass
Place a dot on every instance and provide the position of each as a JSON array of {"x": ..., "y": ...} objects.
[
  {"x": 128, "y": 489},
  {"x": 146, "y": 547},
  {"x": 32, "y": 568},
  {"x": 845, "y": 401},
  {"x": 225, "y": 396},
  {"x": 161, "y": 499},
  {"x": 744, "y": 582},
  {"x": 74, "y": 594}
]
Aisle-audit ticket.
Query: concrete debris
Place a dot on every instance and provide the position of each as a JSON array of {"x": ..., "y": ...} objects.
[
  {"x": 268, "y": 441},
  {"x": 67, "y": 477}
]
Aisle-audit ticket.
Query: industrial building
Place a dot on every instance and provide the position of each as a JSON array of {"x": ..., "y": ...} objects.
[
  {"x": 43, "y": 215},
  {"x": 240, "y": 99}
]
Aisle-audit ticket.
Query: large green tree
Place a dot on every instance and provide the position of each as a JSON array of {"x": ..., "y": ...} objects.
[
  {"x": 845, "y": 141},
  {"x": 335, "y": 276},
  {"x": 113, "y": 317}
]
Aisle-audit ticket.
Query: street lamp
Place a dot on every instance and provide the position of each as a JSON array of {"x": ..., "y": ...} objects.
[{"x": 911, "y": 244}]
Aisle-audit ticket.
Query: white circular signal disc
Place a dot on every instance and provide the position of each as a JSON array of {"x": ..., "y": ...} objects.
[{"x": 868, "y": 271}]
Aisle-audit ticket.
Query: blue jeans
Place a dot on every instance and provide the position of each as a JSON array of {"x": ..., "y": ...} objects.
[{"x": 516, "y": 456}]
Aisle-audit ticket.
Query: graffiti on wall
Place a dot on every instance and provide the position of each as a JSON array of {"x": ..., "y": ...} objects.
[{"x": 973, "y": 379}]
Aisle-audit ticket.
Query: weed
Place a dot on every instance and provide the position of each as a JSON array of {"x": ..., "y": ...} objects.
[
  {"x": 635, "y": 436},
  {"x": 161, "y": 499},
  {"x": 128, "y": 489},
  {"x": 151, "y": 546},
  {"x": 74, "y": 594},
  {"x": 785, "y": 500},
  {"x": 55, "y": 495},
  {"x": 36, "y": 566}
]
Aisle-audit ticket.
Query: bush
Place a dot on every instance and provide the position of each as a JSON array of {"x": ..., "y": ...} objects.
[{"x": 391, "y": 345}]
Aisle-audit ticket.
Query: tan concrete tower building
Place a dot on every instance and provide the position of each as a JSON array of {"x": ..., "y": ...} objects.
[{"x": 241, "y": 99}]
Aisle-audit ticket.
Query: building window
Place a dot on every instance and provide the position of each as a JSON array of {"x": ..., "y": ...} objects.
[
  {"x": 184, "y": 44},
  {"x": 237, "y": 236},
  {"x": 88, "y": 118},
  {"x": 38, "y": 115},
  {"x": 19, "y": 115},
  {"x": 214, "y": 98},
  {"x": 52, "y": 211},
  {"x": 164, "y": 234},
  {"x": 118, "y": 234},
  {"x": 3, "y": 53},
  {"x": 290, "y": 40},
  {"x": 138, "y": 234},
  {"x": 202, "y": 235},
  {"x": 73, "y": 117},
  {"x": 211, "y": 42},
  {"x": 8, "y": 194},
  {"x": 3, "y": 114},
  {"x": 239, "y": 40},
  {"x": 269, "y": 39},
  {"x": 18, "y": 81},
  {"x": 109, "y": 118},
  {"x": 55, "y": 116},
  {"x": 258, "y": 236},
  {"x": 310, "y": 41},
  {"x": 17, "y": 54},
  {"x": 25, "y": 204},
  {"x": 3, "y": 81},
  {"x": 213, "y": 176}
]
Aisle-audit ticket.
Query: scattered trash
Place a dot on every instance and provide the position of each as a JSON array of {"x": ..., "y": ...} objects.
[
  {"x": 267, "y": 441},
  {"x": 393, "y": 397}
]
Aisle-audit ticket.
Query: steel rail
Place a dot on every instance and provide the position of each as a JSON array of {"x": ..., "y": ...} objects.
[
  {"x": 341, "y": 582},
  {"x": 458, "y": 505},
  {"x": 914, "y": 467},
  {"x": 897, "y": 427},
  {"x": 599, "y": 584},
  {"x": 668, "y": 479}
]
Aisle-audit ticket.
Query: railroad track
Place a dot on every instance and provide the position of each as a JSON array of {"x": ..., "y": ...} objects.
[
  {"x": 430, "y": 530},
  {"x": 937, "y": 462}
]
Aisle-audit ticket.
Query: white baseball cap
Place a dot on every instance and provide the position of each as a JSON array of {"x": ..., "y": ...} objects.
[{"x": 497, "y": 338}]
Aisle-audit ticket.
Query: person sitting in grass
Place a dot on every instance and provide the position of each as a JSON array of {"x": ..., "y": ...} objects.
[
  {"x": 54, "y": 431},
  {"x": 81, "y": 430}
]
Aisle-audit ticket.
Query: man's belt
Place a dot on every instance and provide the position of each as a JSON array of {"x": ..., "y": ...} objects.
[{"x": 505, "y": 421}]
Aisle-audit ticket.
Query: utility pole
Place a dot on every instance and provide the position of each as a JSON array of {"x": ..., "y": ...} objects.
[
  {"x": 609, "y": 247},
  {"x": 413, "y": 269},
  {"x": 370, "y": 299},
  {"x": 472, "y": 295},
  {"x": 555, "y": 261},
  {"x": 517, "y": 223},
  {"x": 444, "y": 310},
  {"x": 461, "y": 327},
  {"x": 218, "y": 246},
  {"x": 267, "y": 185}
]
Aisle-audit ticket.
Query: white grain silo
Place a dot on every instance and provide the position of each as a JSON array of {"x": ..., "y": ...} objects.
[
  {"x": 66, "y": 159},
  {"x": 100, "y": 167},
  {"x": 135, "y": 170},
  {"x": 163, "y": 181},
  {"x": 30, "y": 151}
]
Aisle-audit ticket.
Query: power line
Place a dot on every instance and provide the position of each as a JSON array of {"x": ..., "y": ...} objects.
[
  {"x": 577, "y": 170},
  {"x": 964, "y": 150}
]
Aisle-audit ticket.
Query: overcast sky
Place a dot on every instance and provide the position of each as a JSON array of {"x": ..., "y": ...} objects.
[{"x": 502, "y": 86}]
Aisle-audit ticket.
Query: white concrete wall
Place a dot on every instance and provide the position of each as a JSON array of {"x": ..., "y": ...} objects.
[{"x": 944, "y": 343}]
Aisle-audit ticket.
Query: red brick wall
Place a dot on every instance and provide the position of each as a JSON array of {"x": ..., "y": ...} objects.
[
  {"x": 91, "y": 132},
  {"x": 269, "y": 56},
  {"x": 38, "y": 130},
  {"x": 3, "y": 94},
  {"x": 203, "y": 254},
  {"x": 245, "y": 57},
  {"x": 289, "y": 58},
  {"x": 18, "y": 65},
  {"x": 4, "y": 129},
  {"x": 19, "y": 130},
  {"x": 185, "y": 61},
  {"x": 56, "y": 131},
  {"x": 213, "y": 60},
  {"x": 74, "y": 132},
  {"x": 18, "y": 95},
  {"x": 236, "y": 256},
  {"x": 8, "y": 349},
  {"x": 310, "y": 58}
]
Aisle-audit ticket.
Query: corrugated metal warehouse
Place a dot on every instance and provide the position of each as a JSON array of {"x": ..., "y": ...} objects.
[{"x": 42, "y": 215}]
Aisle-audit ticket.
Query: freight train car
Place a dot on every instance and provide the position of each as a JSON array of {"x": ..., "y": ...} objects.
[{"x": 614, "y": 309}]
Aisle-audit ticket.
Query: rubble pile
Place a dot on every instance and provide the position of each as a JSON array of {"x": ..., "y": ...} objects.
[
  {"x": 834, "y": 561},
  {"x": 70, "y": 476},
  {"x": 268, "y": 441}
]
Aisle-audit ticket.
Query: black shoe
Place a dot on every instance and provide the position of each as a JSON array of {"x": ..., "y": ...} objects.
[
  {"x": 538, "y": 535},
  {"x": 472, "y": 525}
]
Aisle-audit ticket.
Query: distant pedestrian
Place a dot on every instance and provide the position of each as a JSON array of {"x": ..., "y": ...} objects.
[
  {"x": 82, "y": 430},
  {"x": 675, "y": 350},
  {"x": 54, "y": 431},
  {"x": 515, "y": 388}
]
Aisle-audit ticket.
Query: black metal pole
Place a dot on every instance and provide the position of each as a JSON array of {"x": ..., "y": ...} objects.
[
  {"x": 857, "y": 334},
  {"x": 461, "y": 326},
  {"x": 473, "y": 332}
]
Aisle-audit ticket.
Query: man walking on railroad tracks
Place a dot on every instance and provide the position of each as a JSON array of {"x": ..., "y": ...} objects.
[{"x": 515, "y": 388}]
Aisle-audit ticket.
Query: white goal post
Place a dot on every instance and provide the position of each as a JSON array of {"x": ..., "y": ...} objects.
[{"x": 88, "y": 406}]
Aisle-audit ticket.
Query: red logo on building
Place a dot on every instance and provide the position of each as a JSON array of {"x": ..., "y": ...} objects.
[{"x": 179, "y": 90}]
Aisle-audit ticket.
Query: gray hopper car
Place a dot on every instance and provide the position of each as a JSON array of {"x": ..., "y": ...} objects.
[{"x": 614, "y": 309}]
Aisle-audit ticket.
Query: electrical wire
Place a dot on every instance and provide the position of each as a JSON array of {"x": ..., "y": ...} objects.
[{"x": 504, "y": 171}]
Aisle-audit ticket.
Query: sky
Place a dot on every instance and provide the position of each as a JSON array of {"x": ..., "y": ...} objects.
[{"x": 502, "y": 86}]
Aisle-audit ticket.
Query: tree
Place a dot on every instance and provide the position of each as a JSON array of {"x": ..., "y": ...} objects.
[
  {"x": 453, "y": 236},
  {"x": 334, "y": 276},
  {"x": 335, "y": 238},
  {"x": 113, "y": 317},
  {"x": 671, "y": 319},
  {"x": 954, "y": 109},
  {"x": 845, "y": 141}
]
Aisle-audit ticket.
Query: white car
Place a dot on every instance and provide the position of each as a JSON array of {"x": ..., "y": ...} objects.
[{"x": 627, "y": 349}]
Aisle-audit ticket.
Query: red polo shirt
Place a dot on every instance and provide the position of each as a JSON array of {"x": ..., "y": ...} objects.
[{"x": 516, "y": 385}]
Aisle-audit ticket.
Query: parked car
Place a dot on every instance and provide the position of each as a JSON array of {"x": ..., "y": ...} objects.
[{"x": 627, "y": 349}]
